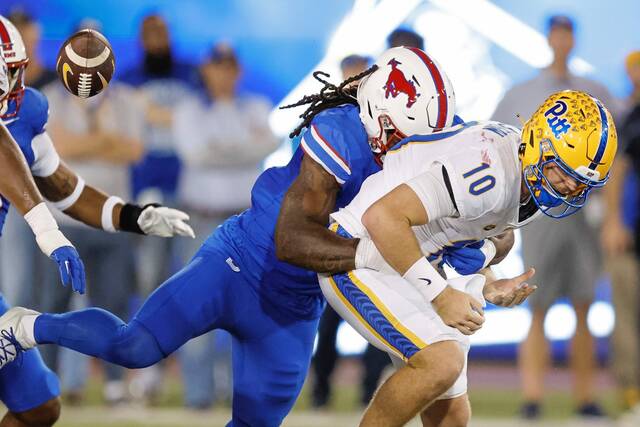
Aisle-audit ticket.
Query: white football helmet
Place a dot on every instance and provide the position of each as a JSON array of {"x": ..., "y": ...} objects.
[
  {"x": 15, "y": 55},
  {"x": 408, "y": 94}
]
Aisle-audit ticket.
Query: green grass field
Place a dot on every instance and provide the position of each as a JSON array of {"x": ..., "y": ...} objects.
[{"x": 491, "y": 408}]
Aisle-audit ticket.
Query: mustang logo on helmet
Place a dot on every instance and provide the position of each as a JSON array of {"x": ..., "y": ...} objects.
[{"x": 397, "y": 83}]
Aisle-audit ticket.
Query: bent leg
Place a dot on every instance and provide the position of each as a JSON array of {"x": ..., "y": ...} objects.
[
  {"x": 428, "y": 374},
  {"x": 188, "y": 304},
  {"x": 454, "y": 412},
  {"x": 392, "y": 315}
]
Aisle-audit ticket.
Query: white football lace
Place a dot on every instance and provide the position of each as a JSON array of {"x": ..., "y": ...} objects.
[{"x": 84, "y": 85}]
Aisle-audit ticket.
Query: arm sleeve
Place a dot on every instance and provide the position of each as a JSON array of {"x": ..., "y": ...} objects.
[
  {"x": 431, "y": 189},
  {"x": 46, "y": 159},
  {"x": 328, "y": 145}
]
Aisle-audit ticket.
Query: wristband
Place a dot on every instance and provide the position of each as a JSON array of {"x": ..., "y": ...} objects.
[
  {"x": 129, "y": 215},
  {"x": 40, "y": 219},
  {"x": 107, "y": 213},
  {"x": 45, "y": 228},
  {"x": 425, "y": 279}
]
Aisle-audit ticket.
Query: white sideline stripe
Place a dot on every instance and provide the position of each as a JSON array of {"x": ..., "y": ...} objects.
[
  {"x": 329, "y": 151},
  {"x": 87, "y": 62}
]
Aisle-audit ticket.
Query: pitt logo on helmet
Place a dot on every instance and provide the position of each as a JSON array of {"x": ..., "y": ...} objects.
[
  {"x": 558, "y": 125},
  {"x": 574, "y": 131}
]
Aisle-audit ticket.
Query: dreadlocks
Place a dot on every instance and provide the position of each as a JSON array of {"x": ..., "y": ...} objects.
[{"x": 329, "y": 96}]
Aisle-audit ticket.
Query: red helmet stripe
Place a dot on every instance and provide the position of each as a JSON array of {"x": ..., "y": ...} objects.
[
  {"x": 440, "y": 88},
  {"x": 4, "y": 34}
]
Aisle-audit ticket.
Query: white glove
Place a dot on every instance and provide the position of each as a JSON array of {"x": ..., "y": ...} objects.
[{"x": 164, "y": 222}]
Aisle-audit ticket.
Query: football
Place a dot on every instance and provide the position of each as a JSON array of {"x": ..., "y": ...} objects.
[{"x": 85, "y": 63}]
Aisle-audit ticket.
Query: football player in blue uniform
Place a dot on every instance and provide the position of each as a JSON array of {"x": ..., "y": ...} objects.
[
  {"x": 241, "y": 279},
  {"x": 29, "y": 389}
]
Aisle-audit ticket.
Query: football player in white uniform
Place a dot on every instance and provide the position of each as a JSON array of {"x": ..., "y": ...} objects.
[{"x": 458, "y": 187}]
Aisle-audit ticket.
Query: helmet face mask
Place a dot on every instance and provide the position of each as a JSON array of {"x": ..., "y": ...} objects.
[
  {"x": 388, "y": 137},
  {"x": 574, "y": 135},
  {"x": 408, "y": 94}
]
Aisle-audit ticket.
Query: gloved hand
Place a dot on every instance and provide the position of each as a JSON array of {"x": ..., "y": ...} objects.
[
  {"x": 471, "y": 258},
  {"x": 70, "y": 267},
  {"x": 164, "y": 222},
  {"x": 56, "y": 246}
]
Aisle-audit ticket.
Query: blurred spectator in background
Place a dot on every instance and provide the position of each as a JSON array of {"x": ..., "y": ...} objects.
[
  {"x": 100, "y": 139},
  {"x": 574, "y": 241},
  {"x": 162, "y": 82},
  {"x": 619, "y": 235},
  {"x": 18, "y": 249},
  {"x": 324, "y": 360},
  {"x": 405, "y": 37},
  {"x": 36, "y": 75},
  {"x": 222, "y": 138}
]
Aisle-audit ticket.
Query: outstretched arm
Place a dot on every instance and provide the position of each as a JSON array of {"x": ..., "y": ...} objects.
[
  {"x": 87, "y": 204},
  {"x": 302, "y": 237}
]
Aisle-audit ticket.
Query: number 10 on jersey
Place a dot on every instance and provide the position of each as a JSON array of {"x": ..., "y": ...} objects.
[{"x": 482, "y": 184}]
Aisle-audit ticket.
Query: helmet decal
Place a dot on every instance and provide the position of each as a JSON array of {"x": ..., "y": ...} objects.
[
  {"x": 397, "y": 83},
  {"x": 387, "y": 115},
  {"x": 557, "y": 124}
]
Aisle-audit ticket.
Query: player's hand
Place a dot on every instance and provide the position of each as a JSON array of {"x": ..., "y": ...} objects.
[
  {"x": 71, "y": 267},
  {"x": 57, "y": 247},
  {"x": 510, "y": 292},
  {"x": 459, "y": 310},
  {"x": 164, "y": 222},
  {"x": 615, "y": 237},
  {"x": 471, "y": 258}
]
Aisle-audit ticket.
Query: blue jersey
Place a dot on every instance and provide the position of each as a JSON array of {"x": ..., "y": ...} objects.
[
  {"x": 26, "y": 125},
  {"x": 337, "y": 140}
]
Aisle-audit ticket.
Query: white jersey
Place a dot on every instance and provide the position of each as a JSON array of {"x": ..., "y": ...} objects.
[{"x": 482, "y": 200}]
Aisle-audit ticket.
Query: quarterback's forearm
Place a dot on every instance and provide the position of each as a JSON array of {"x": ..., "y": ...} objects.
[
  {"x": 20, "y": 189},
  {"x": 389, "y": 222},
  {"x": 393, "y": 237}
]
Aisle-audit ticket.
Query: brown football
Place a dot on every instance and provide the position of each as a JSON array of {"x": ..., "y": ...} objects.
[{"x": 85, "y": 63}]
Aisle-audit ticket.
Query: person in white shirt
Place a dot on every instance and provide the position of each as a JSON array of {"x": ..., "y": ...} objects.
[{"x": 576, "y": 236}]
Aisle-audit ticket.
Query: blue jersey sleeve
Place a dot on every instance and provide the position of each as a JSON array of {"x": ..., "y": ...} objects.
[
  {"x": 327, "y": 142},
  {"x": 35, "y": 109}
]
